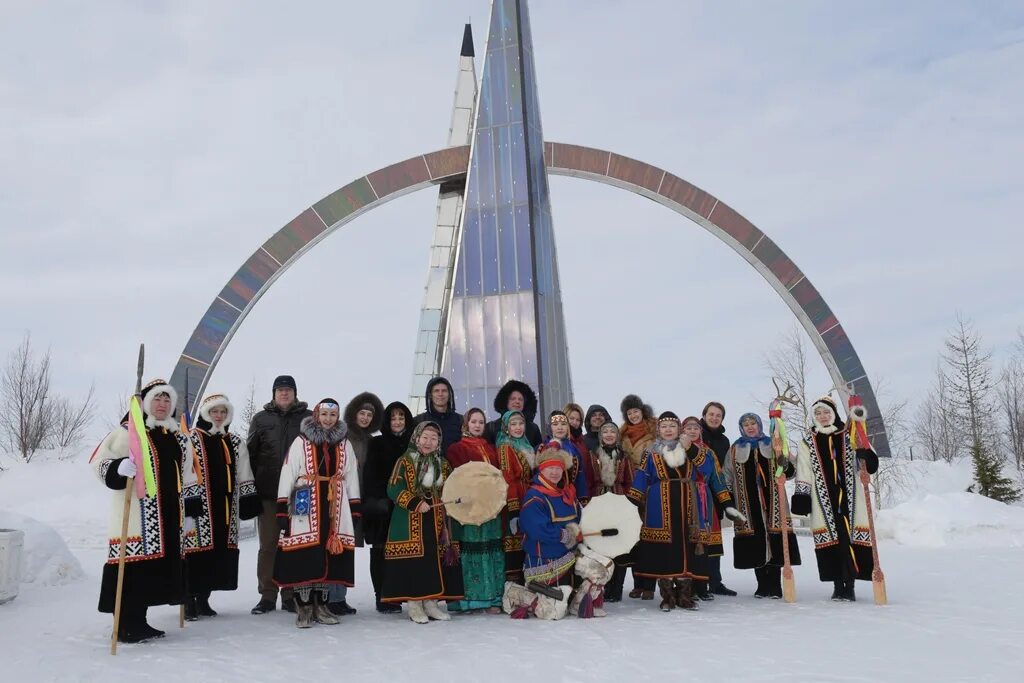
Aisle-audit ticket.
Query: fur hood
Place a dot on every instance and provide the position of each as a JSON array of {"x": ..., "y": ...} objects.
[
  {"x": 529, "y": 403},
  {"x": 356, "y": 433},
  {"x": 633, "y": 401},
  {"x": 318, "y": 435},
  {"x": 209, "y": 403},
  {"x": 596, "y": 408}
]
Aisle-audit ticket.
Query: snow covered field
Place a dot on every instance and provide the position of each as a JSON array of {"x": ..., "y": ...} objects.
[{"x": 953, "y": 579}]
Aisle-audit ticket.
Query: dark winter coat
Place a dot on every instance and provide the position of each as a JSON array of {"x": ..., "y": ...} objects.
[
  {"x": 384, "y": 451},
  {"x": 449, "y": 421},
  {"x": 590, "y": 437},
  {"x": 493, "y": 427},
  {"x": 719, "y": 444},
  {"x": 271, "y": 432}
]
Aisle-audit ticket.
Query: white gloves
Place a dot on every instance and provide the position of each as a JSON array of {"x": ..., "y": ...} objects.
[
  {"x": 735, "y": 515},
  {"x": 513, "y": 526},
  {"x": 189, "y": 526},
  {"x": 126, "y": 468}
]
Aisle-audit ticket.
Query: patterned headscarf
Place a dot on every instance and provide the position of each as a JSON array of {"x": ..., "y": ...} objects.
[
  {"x": 521, "y": 443},
  {"x": 752, "y": 441},
  {"x": 424, "y": 462}
]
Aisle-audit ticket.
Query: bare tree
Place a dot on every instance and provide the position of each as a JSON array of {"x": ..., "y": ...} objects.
[
  {"x": 249, "y": 410},
  {"x": 25, "y": 402},
  {"x": 787, "y": 362},
  {"x": 894, "y": 477},
  {"x": 935, "y": 425},
  {"x": 969, "y": 374},
  {"x": 69, "y": 422},
  {"x": 1010, "y": 402}
]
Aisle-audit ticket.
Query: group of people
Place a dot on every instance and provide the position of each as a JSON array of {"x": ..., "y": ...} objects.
[{"x": 320, "y": 483}]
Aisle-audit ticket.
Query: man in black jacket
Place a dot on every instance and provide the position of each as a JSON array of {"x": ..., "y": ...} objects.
[
  {"x": 713, "y": 434},
  {"x": 441, "y": 409},
  {"x": 596, "y": 416},
  {"x": 271, "y": 433},
  {"x": 515, "y": 395}
]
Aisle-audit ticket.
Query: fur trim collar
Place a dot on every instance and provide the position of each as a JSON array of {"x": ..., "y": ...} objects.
[
  {"x": 167, "y": 423},
  {"x": 674, "y": 455},
  {"x": 609, "y": 464},
  {"x": 317, "y": 434},
  {"x": 831, "y": 429},
  {"x": 743, "y": 451}
]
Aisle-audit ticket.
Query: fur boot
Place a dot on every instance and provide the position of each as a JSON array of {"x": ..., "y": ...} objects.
[
  {"x": 321, "y": 612},
  {"x": 416, "y": 612},
  {"x": 303, "y": 614},
  {"x": 684, "y": 594},
  {"x": 668, "y": 595},
  {"x": 434, "y": 611}
]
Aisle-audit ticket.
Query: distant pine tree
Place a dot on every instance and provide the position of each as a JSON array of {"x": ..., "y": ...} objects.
[{"x": 988, "y": 477}]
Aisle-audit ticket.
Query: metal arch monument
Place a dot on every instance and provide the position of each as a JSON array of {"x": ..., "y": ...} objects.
[{"x": 492, "y": 305}]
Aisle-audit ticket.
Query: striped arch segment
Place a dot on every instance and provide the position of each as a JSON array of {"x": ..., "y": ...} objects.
[{"x": 288, "y": 244}]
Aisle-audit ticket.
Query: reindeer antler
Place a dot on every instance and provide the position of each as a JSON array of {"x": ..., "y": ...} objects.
[{"x": 787, "y": 395}]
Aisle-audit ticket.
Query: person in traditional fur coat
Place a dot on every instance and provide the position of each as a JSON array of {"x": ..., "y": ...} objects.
[
  {"x": 829, "y": 490},
  {"x": 549, "y": 520},
  {"x": 385, "y": 450},
  {"x": 480, "y": 545},
  {"x": 363, "y": 415},
  {"x": 421, "y": 557},
  {"x": 594, "y": 571},
  {"x": 153, "y": 567},
  {"x": 665, "y": 488},
  {"x": 517, "y": 458},
  {"x": 228, "y": 493},
  {"x": 574, "y": 413},
  {"x": 708, "y": 529},
  {"x": 596, "y": 416},
  {"x": 616, "y": 476},
  {"x": 713, "y": 434},
  {"x": 750, "y": 471},
  {"x": 558, "y": 433},
  {"x": 639, "y": 430},
  {"x": 517, "y": 396},
  {"x": 317, "y": 502}
]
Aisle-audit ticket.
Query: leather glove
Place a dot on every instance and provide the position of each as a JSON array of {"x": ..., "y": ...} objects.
[
  {"x": 735, "y": 515},
  {"x": 126, "y": 468}
]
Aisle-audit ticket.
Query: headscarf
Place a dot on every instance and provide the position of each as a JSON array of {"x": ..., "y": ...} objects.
[
  {"x": 424, "y": 462},
  {"x": 465, "y": 423},
  {"x": 521, "y": 443},
  {"x": 752, "y": 442}
]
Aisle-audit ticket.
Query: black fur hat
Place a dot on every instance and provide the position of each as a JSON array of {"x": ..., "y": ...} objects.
[{"x": 633, "y": 401}]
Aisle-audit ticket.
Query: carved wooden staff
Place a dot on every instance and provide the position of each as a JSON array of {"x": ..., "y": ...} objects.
[
  {"x": 780, "y": 445},
  {"x": 877, "y": 577},
  {"x": 128, "y": 485}
]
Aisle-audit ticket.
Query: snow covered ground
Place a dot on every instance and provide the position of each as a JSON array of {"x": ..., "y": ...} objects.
[{"x": 954, "y": 614}]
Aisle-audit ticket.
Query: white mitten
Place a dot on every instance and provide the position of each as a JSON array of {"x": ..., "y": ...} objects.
[
  {"x": 126, "y": 468},
  {"x": 735, "y": 515},
  {"x": 189, "y": 526}
]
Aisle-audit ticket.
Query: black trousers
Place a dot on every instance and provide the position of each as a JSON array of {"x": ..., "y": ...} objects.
[{"x": 377, "y": 569}]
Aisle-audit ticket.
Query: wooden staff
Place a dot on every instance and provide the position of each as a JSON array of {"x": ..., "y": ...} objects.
[
  {"x": 775, "y": 412},
  {"x": 129, "y": 484},
  {"x": 877, "y": 577}
]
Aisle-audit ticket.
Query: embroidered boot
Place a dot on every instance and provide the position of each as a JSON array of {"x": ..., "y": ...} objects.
[
  {"x": 321, "y": 613},
  {"x": 304, "y": 613},
  {"x": 434, "y": 611},
  {"x": 416, "y": 612},
  {"x": 668, "y": 595},
  {"x": 684, "y": 594}
]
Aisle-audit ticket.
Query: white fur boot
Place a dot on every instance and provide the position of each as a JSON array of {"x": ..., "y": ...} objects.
[
  {"x": 416, "y": 611},
  {"x": 434, "y": 611}
]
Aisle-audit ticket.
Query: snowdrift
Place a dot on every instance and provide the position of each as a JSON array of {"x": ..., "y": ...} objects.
[
  {"x": 46, "y": 560},
  {"x": 959, "y": 519}
]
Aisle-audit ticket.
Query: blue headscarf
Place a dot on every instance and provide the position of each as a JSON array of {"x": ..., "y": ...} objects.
[{"x": 752, "y": 441}]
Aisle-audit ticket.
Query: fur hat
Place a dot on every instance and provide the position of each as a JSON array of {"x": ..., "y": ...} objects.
[
  {"x": 828, "y": 403},
  {"x": 551, "y": 453},
  {"x": 154, "y": 389},
  {"x": 211, "y": 402},
  {"x": 632, "y": 401}
]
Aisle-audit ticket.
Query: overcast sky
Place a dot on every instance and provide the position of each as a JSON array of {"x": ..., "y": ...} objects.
[{"x": 145, "y": 153}]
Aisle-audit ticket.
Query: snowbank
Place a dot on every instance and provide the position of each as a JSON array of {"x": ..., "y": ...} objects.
[
  {"x": 958, "y": 518},
  {"x": 45, "y": 560}
]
